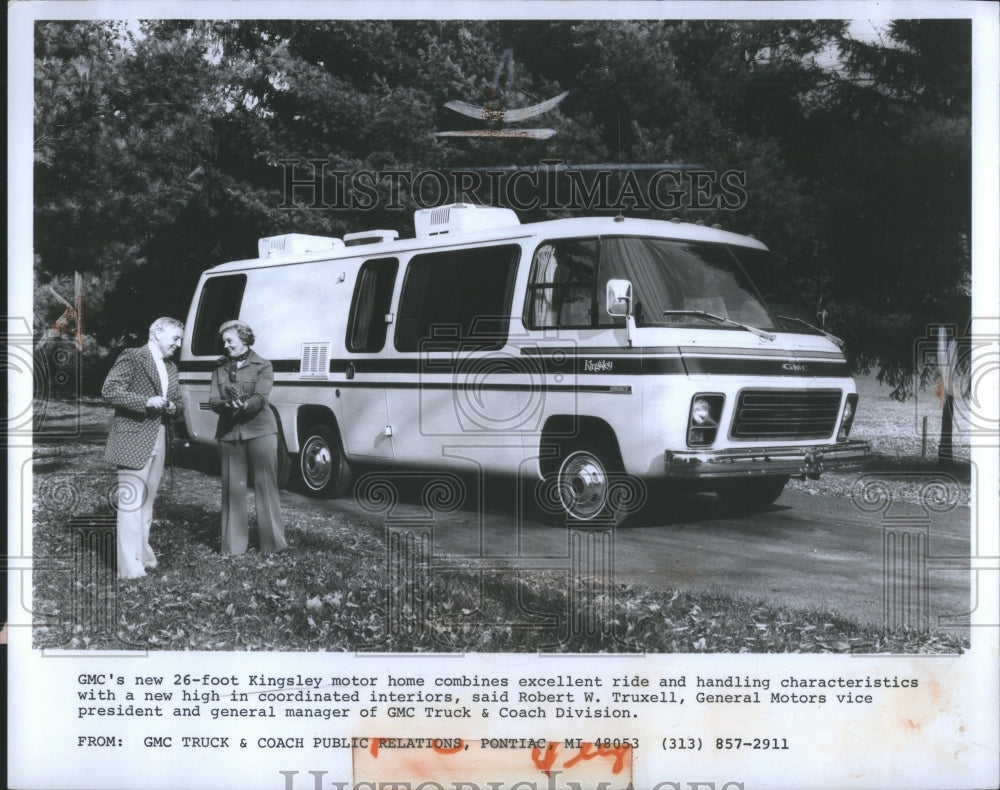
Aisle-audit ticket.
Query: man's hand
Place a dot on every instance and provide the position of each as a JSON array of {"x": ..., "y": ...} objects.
[{"x": 156, "y": 402}]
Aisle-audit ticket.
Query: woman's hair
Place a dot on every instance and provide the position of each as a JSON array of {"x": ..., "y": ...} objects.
[{"x": 242, "y": 329}]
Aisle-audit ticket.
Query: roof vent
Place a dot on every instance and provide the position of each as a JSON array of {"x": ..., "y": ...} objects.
[
  {"x": 461, "y": 218},
  {"x": 295, "y": 244},
  {"x": 370, "y": 237}
]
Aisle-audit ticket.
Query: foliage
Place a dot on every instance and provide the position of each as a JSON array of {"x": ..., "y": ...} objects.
[
  {"x": 158, "y": 150},
  {"x": 330, "y": 592}
]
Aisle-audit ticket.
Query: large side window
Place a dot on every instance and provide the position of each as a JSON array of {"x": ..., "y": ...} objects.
[
  {"x": 458, "y": 296},
  {"x": 366, "y": 328},
  {"x": 221, "y": 298},
  {"x": 561, "y": 287}
]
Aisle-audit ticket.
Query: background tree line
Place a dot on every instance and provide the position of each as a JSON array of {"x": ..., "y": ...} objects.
[{"x": 157, "y": 147}]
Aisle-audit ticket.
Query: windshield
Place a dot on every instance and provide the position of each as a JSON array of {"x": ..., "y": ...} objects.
[
  {"x": 569, "y": 279},
  {"x": 669, "y": 275}
]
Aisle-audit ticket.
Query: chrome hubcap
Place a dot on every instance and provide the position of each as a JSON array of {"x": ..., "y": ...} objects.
[
  {"x": 316, "y": 463},
  {"x": 583, "y": 485}
]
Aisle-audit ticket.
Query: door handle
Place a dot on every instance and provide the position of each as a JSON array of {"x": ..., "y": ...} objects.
[{"x": 350, "y": 370}]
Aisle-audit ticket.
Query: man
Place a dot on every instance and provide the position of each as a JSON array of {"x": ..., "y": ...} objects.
[{"x": 142, "y": 386}]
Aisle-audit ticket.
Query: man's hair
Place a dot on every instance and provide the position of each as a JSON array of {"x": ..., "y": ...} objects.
[{"x": 163, "y": 323}]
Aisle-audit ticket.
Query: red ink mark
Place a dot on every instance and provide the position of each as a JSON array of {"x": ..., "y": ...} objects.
[
  {"x": 544, "y": 763},
  {"x": 588, "y": 752},
  {"x": 436, "y": 746},
  {"x": 377, "y": 743}
]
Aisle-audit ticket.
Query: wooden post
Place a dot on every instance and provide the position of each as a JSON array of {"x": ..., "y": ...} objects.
[{"x": 947, "y": 360}]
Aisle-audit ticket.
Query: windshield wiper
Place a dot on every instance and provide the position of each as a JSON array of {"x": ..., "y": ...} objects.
[
  {"x": 722, "y": 320},
  {"x": 829, "y": 336}
]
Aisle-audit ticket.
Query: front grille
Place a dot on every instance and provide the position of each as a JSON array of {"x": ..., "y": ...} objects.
[{"x": 786, "y": 414}]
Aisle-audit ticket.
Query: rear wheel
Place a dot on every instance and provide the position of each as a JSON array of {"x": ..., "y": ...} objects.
[
  {"x": 323, "y": 468},
  {"x": 751, "y": 494}
]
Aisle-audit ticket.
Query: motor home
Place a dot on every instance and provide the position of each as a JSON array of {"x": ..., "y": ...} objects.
[{"x": 579, "y": 352}]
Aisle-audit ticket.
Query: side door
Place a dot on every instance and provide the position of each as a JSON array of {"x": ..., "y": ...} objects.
[
  {"x": 455, "y": 384},
  {"x": 361, "y": 376}
]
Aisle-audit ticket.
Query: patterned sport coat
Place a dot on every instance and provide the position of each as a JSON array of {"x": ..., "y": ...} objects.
[{"x": 132, "y": 381}]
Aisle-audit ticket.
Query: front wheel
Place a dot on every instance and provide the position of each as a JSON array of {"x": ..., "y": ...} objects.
[
  {"x": 583, "y": 485},
  {"x": 323, "y": 468},
  {"x": 751, "y": 494}
]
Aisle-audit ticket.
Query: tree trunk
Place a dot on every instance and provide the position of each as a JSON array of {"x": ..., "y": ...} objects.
[{"x": 945, "y": 447}]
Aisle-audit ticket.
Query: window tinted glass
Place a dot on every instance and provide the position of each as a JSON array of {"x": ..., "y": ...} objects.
[
  {"x": 372, "y": 294},
  {"x": 220, "y": 302},
  {"x": 461, "y": 296}
]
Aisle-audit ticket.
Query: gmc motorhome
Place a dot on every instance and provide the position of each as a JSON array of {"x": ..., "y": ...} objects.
[{"x": 578, "y": 351}]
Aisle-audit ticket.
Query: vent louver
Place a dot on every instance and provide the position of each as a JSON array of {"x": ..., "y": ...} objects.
[{"x": 315, "y": 361}]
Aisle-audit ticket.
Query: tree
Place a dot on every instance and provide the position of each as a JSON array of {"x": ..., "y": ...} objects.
[
  {"x": 159, "y": 150},
  {"x": 896, "y": 254}
]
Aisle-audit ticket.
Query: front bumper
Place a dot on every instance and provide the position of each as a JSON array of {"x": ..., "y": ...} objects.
[{"x": 761, "y": 461}]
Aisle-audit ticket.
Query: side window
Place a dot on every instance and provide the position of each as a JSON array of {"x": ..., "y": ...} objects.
[
  {"x": 221, "y": 298},
  {"x": 460, "y": 296},
  {"x": 366, "y": 327},
  {"x": 561, "y": 287}
]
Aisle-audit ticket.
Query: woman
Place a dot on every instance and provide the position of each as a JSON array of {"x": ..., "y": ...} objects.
[{"x": 247, "y": 435}]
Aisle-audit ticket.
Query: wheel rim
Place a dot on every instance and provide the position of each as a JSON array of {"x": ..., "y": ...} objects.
[
  {"x": 582, "y": 485},
  {"x": 317, "y": 463}
]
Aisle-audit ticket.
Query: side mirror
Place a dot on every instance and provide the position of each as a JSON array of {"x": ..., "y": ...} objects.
[
  {"x": 619, "y": 302},
  {"x": 619, "y": 297}
]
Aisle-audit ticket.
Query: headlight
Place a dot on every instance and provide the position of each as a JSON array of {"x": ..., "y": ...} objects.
[
  {"x": 701, "y": 410},
  {"x": 703, "y": 419},
  {"x": 846, "y": 420}
]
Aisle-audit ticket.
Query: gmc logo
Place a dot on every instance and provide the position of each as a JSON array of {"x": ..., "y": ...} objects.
[{"x": 794, "y": 366}]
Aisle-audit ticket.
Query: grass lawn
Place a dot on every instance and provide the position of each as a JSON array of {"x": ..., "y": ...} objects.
[{"x": 333, "y": 591}]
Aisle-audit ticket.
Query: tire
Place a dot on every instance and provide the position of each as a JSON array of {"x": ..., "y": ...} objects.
[
  {"x": 751, "y": 494},
  {"x": 323, "y": 469},
  {"x": 583, "y": 482}
]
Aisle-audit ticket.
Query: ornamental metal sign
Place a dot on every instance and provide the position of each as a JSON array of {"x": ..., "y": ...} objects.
[{"x": 494, "y": 113}]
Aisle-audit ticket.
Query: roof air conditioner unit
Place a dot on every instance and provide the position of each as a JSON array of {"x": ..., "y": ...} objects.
[
  {"x": 295, "y": 244},
  {"x": 461, "y": 218}
]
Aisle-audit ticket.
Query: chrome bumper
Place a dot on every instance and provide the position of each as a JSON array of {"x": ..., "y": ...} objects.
[{"x": 760, "y": 461}]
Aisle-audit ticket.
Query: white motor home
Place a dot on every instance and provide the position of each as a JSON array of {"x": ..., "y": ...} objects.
[{"x": 578, "y": 351}]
